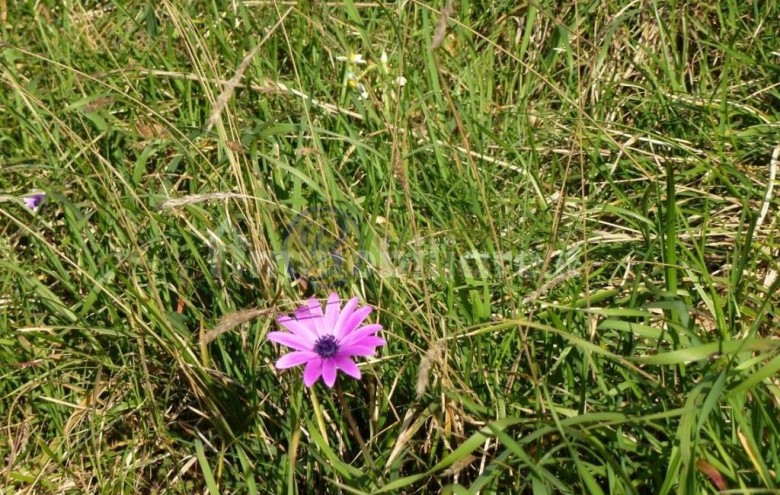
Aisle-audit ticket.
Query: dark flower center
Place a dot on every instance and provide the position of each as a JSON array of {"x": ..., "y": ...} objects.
[{"x": 326, "y": 346}]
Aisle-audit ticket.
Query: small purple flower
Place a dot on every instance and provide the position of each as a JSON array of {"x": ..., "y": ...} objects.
[
  {"x": 327, "y": 342},
  {"x": 33, "y": 201}
]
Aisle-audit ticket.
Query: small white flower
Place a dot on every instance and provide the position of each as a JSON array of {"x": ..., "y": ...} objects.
[
  {"x": 354, "y": 83},
  {"x": 352, "y": 58},
  {"x": 383, "y": 60},
  {"x": 401, "y": 81}
]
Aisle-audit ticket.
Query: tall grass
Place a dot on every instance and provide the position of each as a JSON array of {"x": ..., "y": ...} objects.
[{"x": 564, "y": 214}]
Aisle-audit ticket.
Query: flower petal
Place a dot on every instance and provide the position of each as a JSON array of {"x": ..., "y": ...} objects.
[
  {"x": 361, "y": 333},
  {"x": 329, "y": 372},
  {"x": 312, "y": 372},
  {"x": 356, "y": 350},
  {"x": 311, "y": 315},
  {"x": 346, "y": 312},
  {"x": 355, "y": 319},
  {"x": 332, "y": 313},
  {"x": 312, "y": 307},
  {"x": 370, "y": 341},
  {"x": 294, "y": 359},
  {"x": 348, "y": 366},
  {"x": 290, "y": 340},
  {"x": 303, "y": 329}
]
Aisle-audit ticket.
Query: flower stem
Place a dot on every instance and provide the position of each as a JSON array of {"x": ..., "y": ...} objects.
[
  {"x": 353, "y": 426},
  {"x": 318, "y": 414}
]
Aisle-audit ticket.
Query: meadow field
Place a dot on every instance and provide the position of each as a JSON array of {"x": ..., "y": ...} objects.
[{"x": 563, "y": 214}]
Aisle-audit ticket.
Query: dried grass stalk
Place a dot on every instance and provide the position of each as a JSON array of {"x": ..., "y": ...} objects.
[
  {"x": 441, "y": 26},
  {"x": 199, "y": 198},
  {"x": 230, "y": 322},
  {"x": 424, "y": 371},
  {"x": 231, "y": 85}
]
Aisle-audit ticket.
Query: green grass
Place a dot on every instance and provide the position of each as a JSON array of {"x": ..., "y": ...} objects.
[{"x": 566, "y": 220}]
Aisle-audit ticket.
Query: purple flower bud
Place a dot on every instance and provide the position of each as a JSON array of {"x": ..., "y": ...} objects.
[{"x": 34, "y": 201}]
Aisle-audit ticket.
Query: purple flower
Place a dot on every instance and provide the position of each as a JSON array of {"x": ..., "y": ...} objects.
[
  {"x": 327, "y": 342},
  {"x": 33, "y": 201}
]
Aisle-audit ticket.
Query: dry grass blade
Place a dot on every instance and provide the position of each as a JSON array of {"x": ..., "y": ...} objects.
[
  {"x": 231, "y": 85},
  {"x": 441, "y": 26},
  {"x": 424, "y": 371},
  {"x": 411, "y": 426},
  {"x": 230, "y": 322},
  {"x": 171, "y": 203},
  {"x": 770, "y": 186},
  {"x": 460, "y": 465}
]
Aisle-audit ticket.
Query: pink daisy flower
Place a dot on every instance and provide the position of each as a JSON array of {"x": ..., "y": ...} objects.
[{"x": 327, "y": 342}]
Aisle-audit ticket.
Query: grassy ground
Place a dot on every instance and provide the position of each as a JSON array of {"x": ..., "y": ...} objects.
[{"x": 565, "y": 219}]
